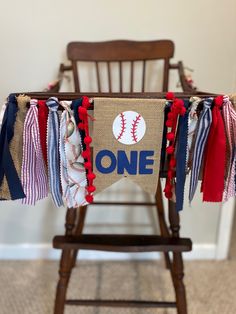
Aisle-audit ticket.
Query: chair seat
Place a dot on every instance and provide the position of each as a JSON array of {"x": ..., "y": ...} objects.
[{"x": 123, "y": 243}]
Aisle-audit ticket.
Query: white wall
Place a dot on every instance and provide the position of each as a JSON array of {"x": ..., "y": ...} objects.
[{"x": 33, "y": 37}]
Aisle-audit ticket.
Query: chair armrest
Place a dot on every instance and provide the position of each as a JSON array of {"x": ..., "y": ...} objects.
[{"x": 182, "y": 77}]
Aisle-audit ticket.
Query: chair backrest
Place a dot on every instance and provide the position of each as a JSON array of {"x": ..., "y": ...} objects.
[{"x": 120, "y": 51}]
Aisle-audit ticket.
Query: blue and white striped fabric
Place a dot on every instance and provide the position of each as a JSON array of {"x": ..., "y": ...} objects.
[
  {"x": 203, "y": 128},
  {"x": 53, "y": 151}
]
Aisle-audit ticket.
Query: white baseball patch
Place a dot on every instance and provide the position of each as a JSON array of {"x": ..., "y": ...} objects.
[{"x": 129, "y": 127}]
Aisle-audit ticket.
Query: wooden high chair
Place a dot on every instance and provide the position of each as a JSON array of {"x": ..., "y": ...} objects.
[{"x": 169, "y": 240}]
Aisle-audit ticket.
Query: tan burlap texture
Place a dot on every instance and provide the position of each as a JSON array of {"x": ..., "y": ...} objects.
[
  {"x": 105, "y": 111},
  {"x": 16, "y": 144}
]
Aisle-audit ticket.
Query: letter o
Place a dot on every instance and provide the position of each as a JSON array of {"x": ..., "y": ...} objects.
[{"x": 98, "y": 161}]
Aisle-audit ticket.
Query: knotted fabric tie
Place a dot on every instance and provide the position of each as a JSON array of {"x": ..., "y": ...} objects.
[
  {"x": 42, "y": 119},
  {"x": 7, "y": 167},
  {"x": 214, "y": 166},
  {"x": 73, "y": 175},
  {"x": 33, "y": 173},
  {"x": 53, "y": 151},
  {"x": 229, "y": 116},
  {"x": 181, "y": 158},
  {"x": 192, "y": 126},
  {"x": 203, "y": 128}
]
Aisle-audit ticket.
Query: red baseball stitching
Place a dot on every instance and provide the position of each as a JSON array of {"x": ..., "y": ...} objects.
[
  {"x": 134, "y": 128},
  {"x": 123, "y": 122}
]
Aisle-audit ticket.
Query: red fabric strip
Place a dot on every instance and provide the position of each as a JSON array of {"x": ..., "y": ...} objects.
[
  {"x": 42, "y": 120},
  {"x": 215, "y": 157}
]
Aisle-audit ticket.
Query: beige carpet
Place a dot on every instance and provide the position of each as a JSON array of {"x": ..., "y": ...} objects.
[{"x": 29, "y": 287}]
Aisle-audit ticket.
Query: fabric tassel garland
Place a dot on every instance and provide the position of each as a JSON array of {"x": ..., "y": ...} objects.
[
  {"x": 181, "y": 158},
  {"x": 7, "y": 167},
  {"x": 229, "y": 116},
  {"x": 203, "y": 128},
  {"x": 73, "y": 175},
  {"x": 177, "y": 109},
  {"x": 215, "y": 159},
  {"x": 53, "y": 151},
  {"x": 42, "y": 120},
  {"x": 33, "y": 173},
  {"x": 83, "y": 115}
]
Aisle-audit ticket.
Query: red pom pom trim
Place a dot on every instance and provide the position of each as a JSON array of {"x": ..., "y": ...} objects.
[
  {"x": 82, "y": 111},
  {"x": 85, "y": 102},
  {"x": 89, "y": 198},
  {"x": 91, "y": 188},
  {"x": 91, "y": 176},
  {"x": 172, "y": 162},
  {"x": 170, "y": 150},
  {"x": 87, "y": 140},
  {"x": 170, "y": 96},
  {"x": 170, "y": 136},
  {"x": 169, "y": 123},
  {"x": 88, "y": 165},
  {"x": 81, "y": 126},
  {"x": 86, "y": 154},
  {"x": 177, "y": 108}
]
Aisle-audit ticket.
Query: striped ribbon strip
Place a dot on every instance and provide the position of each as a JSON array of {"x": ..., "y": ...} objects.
[
  {"x": 229, "y": 116},
  {"x": 203, "y": 129},
  {"x": 53, "y": 151},
  {"x": 33, "y": 173}
]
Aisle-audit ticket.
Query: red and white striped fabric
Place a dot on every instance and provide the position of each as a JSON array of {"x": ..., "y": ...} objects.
[
  {"x": 229, "y": 116},
  {"x": 33, "y": 172}
]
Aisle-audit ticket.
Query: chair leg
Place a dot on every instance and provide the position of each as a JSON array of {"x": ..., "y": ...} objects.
[
  {"x": 79, "y": 229},
  {"x": 65, "y": 265},
  {"x": 162, "y": 221},
  {"x": 177, "y": 266}
]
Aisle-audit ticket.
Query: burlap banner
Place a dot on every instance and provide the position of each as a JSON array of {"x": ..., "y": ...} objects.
[{"x": 127, "y": 140}]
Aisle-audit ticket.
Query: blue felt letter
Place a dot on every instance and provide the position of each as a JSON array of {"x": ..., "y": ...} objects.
[
  {"x": 99, "y": 158},
  {"x": 143, "y": 161},
  {"x": 125, "y": 164}
]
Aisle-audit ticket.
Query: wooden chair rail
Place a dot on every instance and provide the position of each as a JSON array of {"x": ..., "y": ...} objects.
[
  {"x": 120, "y": 50},
  {"x": 122, "y": 243},
  {"x": 122, "y": 303},
  {"x": 73, "y": 96}
]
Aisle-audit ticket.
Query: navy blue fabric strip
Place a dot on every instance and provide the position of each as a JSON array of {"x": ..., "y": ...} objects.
[
  {"x": 181, "y": 155},
  {"x": 7, "y": 167},
  {"x": 75, "y": 106}
]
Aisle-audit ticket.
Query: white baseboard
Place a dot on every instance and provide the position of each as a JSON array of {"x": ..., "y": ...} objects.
[{"x": 45, "y": 251}]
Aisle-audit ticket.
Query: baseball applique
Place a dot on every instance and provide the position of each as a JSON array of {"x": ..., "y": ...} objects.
[{"x": 129, "y": 127}]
